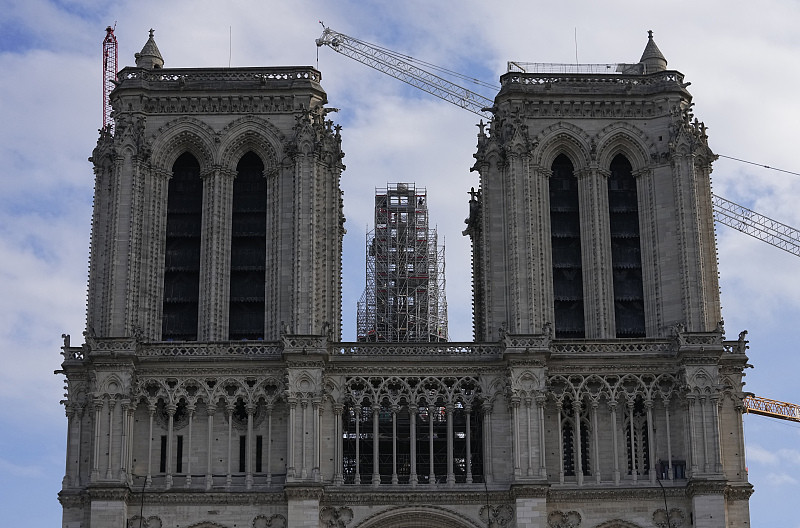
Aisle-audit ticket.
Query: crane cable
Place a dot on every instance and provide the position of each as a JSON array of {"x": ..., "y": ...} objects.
[{"x": 759, "y": 165}]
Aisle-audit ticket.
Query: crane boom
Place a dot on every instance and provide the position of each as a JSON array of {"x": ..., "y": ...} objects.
[
  {"x": 756, "y": 225},
  {"x": 394, "y": 65},
  {"x": 400, "y": 67},
  {"x": 772, "y": 408}
]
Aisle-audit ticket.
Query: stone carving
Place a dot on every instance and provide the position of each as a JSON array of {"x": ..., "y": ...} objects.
[
  {"x": 497, "y": 516},
  {"x": 138, "y": 521},
  {"x": 675, "y": 518},
  {"x": 333, "y": 517},
  {"x": 559, "y": 519},
  {"x": 274, "y": 521}
]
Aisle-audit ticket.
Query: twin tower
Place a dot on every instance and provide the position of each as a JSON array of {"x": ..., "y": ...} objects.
[{"x": 213, "y": 389}]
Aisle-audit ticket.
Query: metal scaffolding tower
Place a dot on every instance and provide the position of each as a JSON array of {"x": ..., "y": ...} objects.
[{"x": 404, "y": 298}]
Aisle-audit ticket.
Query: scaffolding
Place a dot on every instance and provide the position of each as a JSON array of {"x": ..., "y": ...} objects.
[{"x": 404, "y": 298}]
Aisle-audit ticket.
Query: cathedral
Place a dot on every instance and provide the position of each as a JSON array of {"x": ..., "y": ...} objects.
[{"x": 213, "y": 389}]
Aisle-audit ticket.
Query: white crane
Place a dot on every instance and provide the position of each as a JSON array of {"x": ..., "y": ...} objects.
[{"x": 404, "y": 68}]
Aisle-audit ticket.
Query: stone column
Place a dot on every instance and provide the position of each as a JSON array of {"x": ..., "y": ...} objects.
[
  {"x": 317, "y": 415},
  {"x": 559, "y": 408},
  {"x": 248, "y": 467},
  {"x": 290, "y": 468},
  {"x": 211, "y": 409},
  {"x": 715, "y": 436},
  {"x": 171, "y": 408},
  {"x": 376, "y": 475},
  {"x": 670, "y": 473},
  {"x": 213, "y": 305},
  {"x": 190, "y": 408},
  {"x": 634, "y": 472},
  {"x": 269, "y": 443},
  {"x": 68, "y": 478},
  {"x": 690, "y": 403},
  {"x": 515, "y": 401},
  {"x": 412, "y": 418},
  {"x": 487, "y": 443},
  {"x": 650, "y": 440},
  {"x": 98, "y": 407},
  {"x": 395, "y": 408},
  {"x": 357, "y": 478},
  {"x": 149, "y": 479},
  {"x": 432, "y": 471},
  {"x": 126, "y": 407},
  {"x": 80, "y": 414},
  {"x": 704, "y": 425},
  {"x": 596, "y": 436},
  {"x": 112, "y": 404},
  {"x": 612, "y": 407},
  {"x": 337, "y": 444},
  {"x": 541, "y": 400},
  {"x": 303, "y": 464},
  {"x": 528, "y": 403},
  {"x": 229, "y": 415},
  {"x": 451, "y": 478},
  {"x": 596, "y": 252},
  {"x": 468, "y": 436},
  {"x": 576, "y": 442}
]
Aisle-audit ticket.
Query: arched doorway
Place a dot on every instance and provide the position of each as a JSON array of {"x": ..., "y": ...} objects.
[{"x": 417, "y": 517}]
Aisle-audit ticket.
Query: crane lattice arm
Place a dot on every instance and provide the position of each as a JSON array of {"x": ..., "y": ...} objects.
[
  {"x": 400, "y": 67},
  {"x": 772, "y": 408},
  {"x": 393, "y": 64},
  {"x": 756, "y": 225}
]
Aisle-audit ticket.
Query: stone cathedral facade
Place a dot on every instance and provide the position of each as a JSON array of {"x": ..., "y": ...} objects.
[{"x": 213, "y": 389}]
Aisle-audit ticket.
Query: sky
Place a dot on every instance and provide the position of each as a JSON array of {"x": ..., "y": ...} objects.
[{"x": 740, "y": 57}]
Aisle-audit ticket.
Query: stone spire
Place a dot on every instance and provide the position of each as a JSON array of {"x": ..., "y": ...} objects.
[
  {"x": 149, "y": 57},
  {"x": 652, "y": 58}
]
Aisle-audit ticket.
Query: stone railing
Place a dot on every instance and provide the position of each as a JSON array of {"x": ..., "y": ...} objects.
[
  {"x": 418, "y": 350},
  {"x": 205, "y": 75},
  {"x": 222, "y": 349},
  {"x": 613, "y": 347},
  {"x": 594, "y": 79}
]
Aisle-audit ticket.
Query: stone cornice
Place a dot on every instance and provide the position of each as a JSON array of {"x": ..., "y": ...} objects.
[
  {"x": 613, "y": 494},
  {"x": 415, "y": 497},
  {"x": 303, "y": 492},
  {"x": 198, "y": 496}
]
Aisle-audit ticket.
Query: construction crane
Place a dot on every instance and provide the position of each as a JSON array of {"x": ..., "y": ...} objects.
[
  {"x": 403, "y": 67},
  {"x": 400, "y": 67},
  {"x": 109, "y": 75},
  {"x": 773, "y": 408},
  {"x": 726, "y": 212}
]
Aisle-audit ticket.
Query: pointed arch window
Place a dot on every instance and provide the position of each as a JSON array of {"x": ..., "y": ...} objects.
[
  {"x": 248, "y": 250},
  {"x": 565, "y": 236},
  {"x": 182, "y": 251},
  {"x": 626, "y": 257}
]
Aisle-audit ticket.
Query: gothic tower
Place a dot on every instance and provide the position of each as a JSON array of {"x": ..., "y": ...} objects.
[
  {"x": 217, "y": 228},
  {"x": 595, "y": 211},
  {"x": 212, "y": 182},
  {"x": 593, "y": 237}
]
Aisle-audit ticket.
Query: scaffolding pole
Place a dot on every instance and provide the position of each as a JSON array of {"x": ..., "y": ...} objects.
[{"x": 404, "y": 298}]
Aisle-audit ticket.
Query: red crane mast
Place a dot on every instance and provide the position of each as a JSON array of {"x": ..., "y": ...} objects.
[{"x": 109, "y": 75}]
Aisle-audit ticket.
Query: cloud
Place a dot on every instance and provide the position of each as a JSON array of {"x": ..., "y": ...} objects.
[
  {"x": 756, "y": 453},
  {"x": 50, "y": 88}
]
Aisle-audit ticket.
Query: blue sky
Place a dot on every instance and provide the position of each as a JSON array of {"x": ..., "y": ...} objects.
[{"x": 741, "y": 59}]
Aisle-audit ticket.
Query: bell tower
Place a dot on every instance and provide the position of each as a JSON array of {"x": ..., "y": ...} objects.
[
  {"x": 213, "y": 181},
  {"x": 594, "y": 218}
]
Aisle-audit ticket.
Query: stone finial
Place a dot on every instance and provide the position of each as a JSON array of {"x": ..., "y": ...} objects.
[
  {"x": 652, "y": 58},
  {"x": 149, "y": 57}
]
